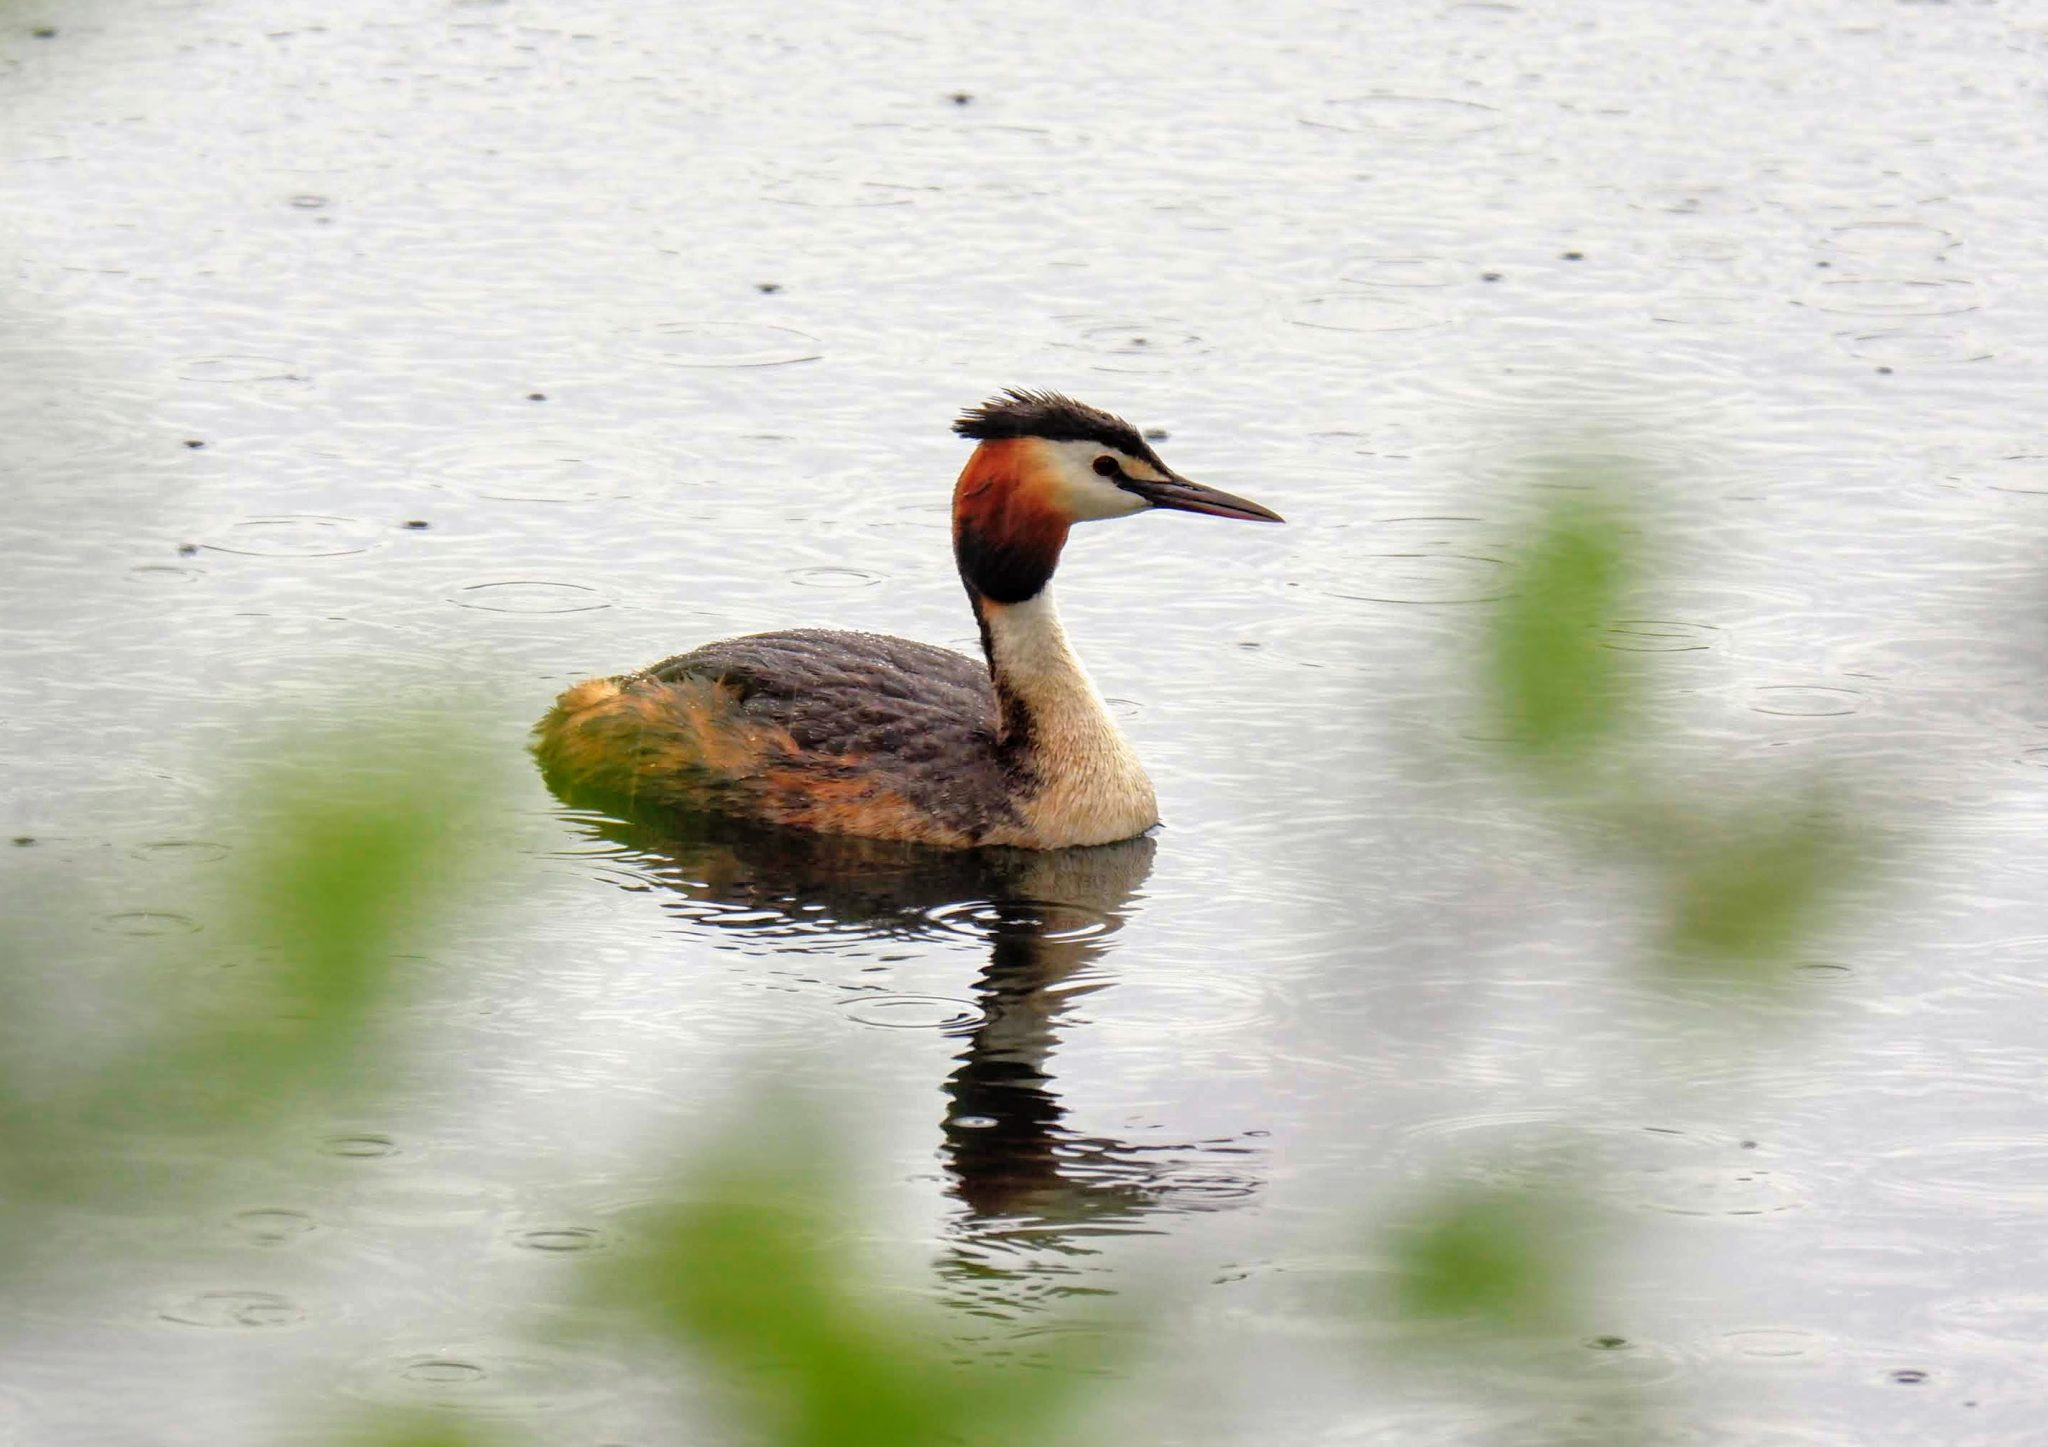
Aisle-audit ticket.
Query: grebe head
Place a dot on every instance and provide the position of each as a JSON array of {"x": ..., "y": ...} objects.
[{"x": 1045, "y": 463}]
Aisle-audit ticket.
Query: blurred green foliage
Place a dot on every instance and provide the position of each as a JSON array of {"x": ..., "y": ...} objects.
[
  {"x": 1748, "y": 891},
  {"x": 1560, "y": 690},
  {"x": 1741, "y": 876},
  {"x": 1488, "y": 1260},
  {"x": 350, "y": 864},
  {"x": 747, "y": 1270},
  {"x": 1745, "y": 885}
]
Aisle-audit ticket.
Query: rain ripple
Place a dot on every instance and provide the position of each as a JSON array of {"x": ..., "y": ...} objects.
[
  {"x": 1365, "y": 314},
  {"x": 1404, "y": 117},
  {"x": 2023, "y": 472},
  {"x": 559, "y": 1240},
  {"x": 1432, "y": 561},
  {"x": 295, "y": 536},
  {"x": 540, "y": 469},
  {"x": 1398, "y": 271},
  {"x": 1653, "y": 635},
  {"x": 1794, "y": 700},
  {"x": 231, "y": 1310},
  {"x": 1902, "y": 346},
  {"x": 1891, "y": 241},
  {"x": 360, "y": 1147},
  {"x": 1774, "y": 1343},
  {"x": 193, "y": 851},
  {"x": 916, "y": 1012},
  {"x": 485, "y": 1379},
  {"x": 1908, "y": 297},
  {"x": 1136, "y": 346},
  {"x": 725, "y": 344},
  {"x": 1051, "y": 921},
  {"x": 149, "y": 923},
  {"x": 238, "y": 369},
  {"x": 1981, "y": 1173},
  {"x": 529, "y": 596},
  {"x": 834, "y": 578},
  {"x": 270, "y": 1225}
]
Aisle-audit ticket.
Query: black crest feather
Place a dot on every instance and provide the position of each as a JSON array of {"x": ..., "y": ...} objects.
[{"x": 1018, "y": 413}]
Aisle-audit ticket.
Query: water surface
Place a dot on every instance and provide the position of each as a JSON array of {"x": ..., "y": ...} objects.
[{"x": 408, "y": 358}]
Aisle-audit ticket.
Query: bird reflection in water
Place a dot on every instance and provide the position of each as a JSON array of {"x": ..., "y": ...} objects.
[{"x": 1033, "y": 1192}]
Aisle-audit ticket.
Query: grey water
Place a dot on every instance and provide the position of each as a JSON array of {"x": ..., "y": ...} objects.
[{"x": 394, "y": 357}]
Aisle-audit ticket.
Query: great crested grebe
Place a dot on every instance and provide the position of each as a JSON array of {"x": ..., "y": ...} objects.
[{"x": 855, "y": 733}]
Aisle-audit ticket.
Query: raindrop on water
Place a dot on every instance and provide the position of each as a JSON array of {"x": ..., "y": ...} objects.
[
  {"x": 294, "y": 536},
  {"x": 529, "y": 596},
  {"x": 146, "y": 923},
  {"x": 270, "y": 1225},
  {"x": 915, "y": 1012},
  {"x": 233, "y": 1309},
  {"x": 559, "y": 1240},
  {"x": 1806, "y": 700},
  {"x": 725, "y": 344},
  {"x": 359, "y": 1147}
]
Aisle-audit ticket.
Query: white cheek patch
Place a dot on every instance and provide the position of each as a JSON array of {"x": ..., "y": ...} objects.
[{"x": 1077, "y": 489}]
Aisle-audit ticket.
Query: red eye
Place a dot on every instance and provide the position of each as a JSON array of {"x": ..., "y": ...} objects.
[{"x": 1106, "y": 467}]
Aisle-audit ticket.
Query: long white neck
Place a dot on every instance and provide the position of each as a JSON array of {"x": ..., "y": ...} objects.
[
  {"x": 1034, "y": 666},
  {"x": 1084, "y": 783}
]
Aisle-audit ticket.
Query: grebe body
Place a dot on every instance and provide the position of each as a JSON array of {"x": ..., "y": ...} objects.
[{"x": 855, "y": 733}]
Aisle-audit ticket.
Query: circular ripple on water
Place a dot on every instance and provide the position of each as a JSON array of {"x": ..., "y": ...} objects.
[
  {"x": 184, "y": 851},
  {"x": 1398, "y": 271},
  {"x": 1706, "y": 309},
  {"x": 1891, "y": 240},
  {"x": 1023, "y": 919},
  {"x": 1518, "y": 1148},
  {"x": 1404, "y": 117},
  {"x": 1137, "y": 346},
  {"x": 2021, "y": 472},
  {"x": 546, "y": 469},
  {"x": 148, "y": 923},
  {"x": 1711, "y": 1190},
  {"x": 237, "y": 369},
  {"x": 834, "y": 578},
  {"x": 725, "y": 344},
  {"x": 2005, "y": 1171},
  {"x": 559, "y": 1240},
  {"x": 1682, "y": 198},
  {"x": 2016, "y": 1323},
  {"x": 1906, "y": 297},
  {"x": 1726, "y": 1431},
  {"x": 360, "y": 1147},
  {"x": 528, "y": 596},
  {"x": 1365, "y": 314},
  {"x": 485, "y": 1379},
  {"x": 233, "y": 1310},
  {"x": 164, "y": 573},
  {"x": 1657, "y": 635},
  {"x": 1797, "y": 700},
  {"x": 1424, "y": 578},
  {"x": 832, "y": 191},
  {"x": 1774, "y": 1343},
  {"x": 1904, "y": 346},
  {"x": 270, "y": 1225},
  {"x": 1955, "y": 660},
  {"x": 412, "y": 1199},
  {"x": 294, "y": 536},
  {"x": 1187, "y": 1002},
  {"x": 915, "y": 1012}
]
